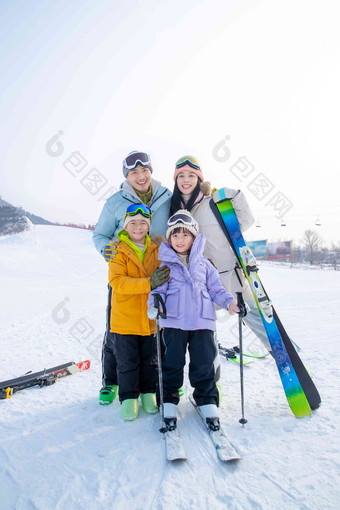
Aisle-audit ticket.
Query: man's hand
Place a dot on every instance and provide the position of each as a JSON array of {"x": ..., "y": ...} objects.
[{"x": 110, "y": 250}]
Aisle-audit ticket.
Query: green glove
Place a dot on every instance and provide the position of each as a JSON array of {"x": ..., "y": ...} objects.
[
  {"x": 160, "y": 276},
  {"x": 110, "y": 250}
]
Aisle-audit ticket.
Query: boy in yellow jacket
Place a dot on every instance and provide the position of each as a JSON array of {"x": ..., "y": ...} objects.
[{"x": 133, "y": 273}]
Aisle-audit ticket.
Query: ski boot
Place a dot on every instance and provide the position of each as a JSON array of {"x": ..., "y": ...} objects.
[
  {"x": 107, "y": 394},
  {"x": 129, "y": 409},
  {"x": 218, "y": 386},
  {"x": 209, "y": 413},
  {"x": 149, "y": 403}
]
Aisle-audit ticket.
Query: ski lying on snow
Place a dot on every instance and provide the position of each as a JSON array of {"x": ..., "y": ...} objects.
[
  {"x": 230, "y": 354},
  {"x": 250, "y": 354},
  {"x": 224, "y": 449},
  {"x": 46, "y": 377}
]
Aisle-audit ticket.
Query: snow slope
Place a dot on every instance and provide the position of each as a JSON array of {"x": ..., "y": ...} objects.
[{"x": 59, "y": 448}]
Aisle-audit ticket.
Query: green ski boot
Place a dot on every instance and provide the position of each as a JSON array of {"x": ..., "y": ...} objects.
[
  {"x": 107, "y": 394},
  {"x": 219, "y": 393},
  {"x": 129, "y": 409},
  {"x": 149, "y": 403}
]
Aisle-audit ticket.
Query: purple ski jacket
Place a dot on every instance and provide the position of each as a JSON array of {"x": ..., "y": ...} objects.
[{"x": 190, "y": 292}]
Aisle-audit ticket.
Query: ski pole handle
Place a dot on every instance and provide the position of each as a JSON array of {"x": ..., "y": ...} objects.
[
  {"x": 158, "y": 300},
  {"x": 241, "y": 304}
]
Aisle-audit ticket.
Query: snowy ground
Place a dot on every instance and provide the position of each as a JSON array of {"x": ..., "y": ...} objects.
[{"x": 59, "y": 448}]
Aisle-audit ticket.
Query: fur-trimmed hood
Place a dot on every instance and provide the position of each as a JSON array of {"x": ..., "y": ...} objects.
[
  {"x": 157, "y": 239},
  {"x": 206, "y": 188}
]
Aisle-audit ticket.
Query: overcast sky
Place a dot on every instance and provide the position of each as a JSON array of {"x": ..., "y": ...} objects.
[{"x": 251, "y": 88}]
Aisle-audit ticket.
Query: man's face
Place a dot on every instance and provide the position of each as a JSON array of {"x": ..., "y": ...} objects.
[{"x": 140, "y": 178}]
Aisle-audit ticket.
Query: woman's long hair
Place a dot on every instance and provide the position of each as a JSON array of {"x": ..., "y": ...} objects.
[{"x": 176, "y": 199}]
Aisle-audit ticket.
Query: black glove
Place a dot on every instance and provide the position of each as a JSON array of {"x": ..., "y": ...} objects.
[{"x": 160, "y": 276}]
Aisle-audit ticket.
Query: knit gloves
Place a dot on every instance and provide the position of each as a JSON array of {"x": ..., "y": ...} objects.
[{"x": 159, "y": 276}]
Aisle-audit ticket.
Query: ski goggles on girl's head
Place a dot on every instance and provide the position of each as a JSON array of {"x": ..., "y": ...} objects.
[
  {"x": 131, "y": 161},
  {"x": 142, "y": 209},
  {"x": 182, "y": 218},
  {"x": 188, "y": 160}
]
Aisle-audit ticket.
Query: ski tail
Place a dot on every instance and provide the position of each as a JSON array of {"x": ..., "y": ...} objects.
[{"x": 307, "y": 384}]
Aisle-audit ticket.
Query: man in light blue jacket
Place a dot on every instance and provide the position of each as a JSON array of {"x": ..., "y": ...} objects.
[{"x": 138, "y": 187}]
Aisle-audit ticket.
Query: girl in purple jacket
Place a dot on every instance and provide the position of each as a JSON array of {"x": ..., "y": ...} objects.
[{"x": 189, "y": 294}]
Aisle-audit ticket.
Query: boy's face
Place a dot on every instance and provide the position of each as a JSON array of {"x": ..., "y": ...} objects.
[
  {"x": 137, "y": 230},
  {"x": 140, "y": 178},
  {"x": 182, "y": 241}
]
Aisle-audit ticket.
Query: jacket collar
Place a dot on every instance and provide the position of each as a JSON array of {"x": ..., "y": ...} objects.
[{"x": 126, "y": 187}]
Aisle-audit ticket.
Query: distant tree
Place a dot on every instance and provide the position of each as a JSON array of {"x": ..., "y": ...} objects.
[{"x": 312, "y": 243}]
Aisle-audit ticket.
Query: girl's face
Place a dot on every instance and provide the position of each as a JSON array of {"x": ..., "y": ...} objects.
[
  {"x": 182, "y": 241},
  {"x": 187, "y": 180}
]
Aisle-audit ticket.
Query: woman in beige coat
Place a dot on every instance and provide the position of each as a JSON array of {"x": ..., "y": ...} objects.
[{"x": 192, "y": 193}]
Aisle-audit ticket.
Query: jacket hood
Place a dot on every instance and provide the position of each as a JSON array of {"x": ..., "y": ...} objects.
[
  {"x": 206, "y": 188},
  {"x": 167, "y": 255}
]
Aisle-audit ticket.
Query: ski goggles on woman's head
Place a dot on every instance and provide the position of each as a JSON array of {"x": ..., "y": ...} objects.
[
  {"x": 181, "y": 218},
  {"x": 188, "y": 160},
  {"x": 131, "y": 161},
  {"x": 142, "y": 209}
]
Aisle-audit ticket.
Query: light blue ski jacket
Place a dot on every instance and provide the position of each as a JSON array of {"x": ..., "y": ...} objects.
[{"x": 111, "y": 219}]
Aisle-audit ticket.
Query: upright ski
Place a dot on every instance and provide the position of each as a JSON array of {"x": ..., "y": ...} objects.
[
  {"x": 224, "y": 449},
  {"x": 299, "y": 388}
]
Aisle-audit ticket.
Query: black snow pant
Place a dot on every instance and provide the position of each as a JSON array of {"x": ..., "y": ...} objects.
[
  {"x": 109, "y": 364},
  {"x": 136, "y": 364},
  {"x": 202, "y": 352}
]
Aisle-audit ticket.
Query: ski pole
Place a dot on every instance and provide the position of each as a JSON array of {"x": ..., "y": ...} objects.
[
  {"x": 159, "y": 301},
  {"x": 242, "y": 313}
]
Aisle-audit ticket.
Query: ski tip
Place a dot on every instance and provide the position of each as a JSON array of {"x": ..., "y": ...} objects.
[{"x": 83, "y": 365}]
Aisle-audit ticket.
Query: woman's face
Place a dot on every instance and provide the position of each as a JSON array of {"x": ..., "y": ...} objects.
[{"x": 186, "y": 180}]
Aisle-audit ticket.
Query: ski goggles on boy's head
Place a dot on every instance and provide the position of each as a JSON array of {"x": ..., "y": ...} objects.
[
  {"x": 142, "y": 209},
  {"x": 188, "y": 160},
  {"x": 132, "y": 160}
]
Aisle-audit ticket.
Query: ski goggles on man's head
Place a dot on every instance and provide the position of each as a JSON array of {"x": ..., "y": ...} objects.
[
  {"x": 182, "y": 218},
  {"x": 131, "y": 161},
  {"x": 188, "y": 160},
  {"x": 142, "y": 209}
]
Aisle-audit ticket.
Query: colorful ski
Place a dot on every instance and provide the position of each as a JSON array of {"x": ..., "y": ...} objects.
[
  {"x": 278, "y": 338},
  {"x": 174, "y": 447},
  {"x": 224, "y": 449}
]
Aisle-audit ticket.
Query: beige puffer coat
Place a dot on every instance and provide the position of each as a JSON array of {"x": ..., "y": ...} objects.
[{"x": 217, "y": 247}]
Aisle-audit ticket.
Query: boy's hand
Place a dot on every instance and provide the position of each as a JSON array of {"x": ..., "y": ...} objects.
[
  {"x": 159, "y": 276},
  {"x": 233, "y": 308},
  {"x": 110, "y": 250}
]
